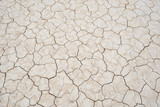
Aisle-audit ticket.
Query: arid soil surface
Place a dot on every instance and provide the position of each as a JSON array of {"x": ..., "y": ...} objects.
[{"x": 79, "y": 53}]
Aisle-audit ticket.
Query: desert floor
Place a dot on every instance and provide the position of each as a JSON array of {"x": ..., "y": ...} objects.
[{"x": 79, "y": 53}]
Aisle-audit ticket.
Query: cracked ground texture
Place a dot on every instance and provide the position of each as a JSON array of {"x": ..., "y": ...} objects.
[{"x": 79, "y": 53}]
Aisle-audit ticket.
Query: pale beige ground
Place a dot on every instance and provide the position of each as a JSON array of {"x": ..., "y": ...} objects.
[{"x": 80, "y": 53}]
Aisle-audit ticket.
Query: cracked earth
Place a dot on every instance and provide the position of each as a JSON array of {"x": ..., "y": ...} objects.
[{"x": 79, "y": 53}]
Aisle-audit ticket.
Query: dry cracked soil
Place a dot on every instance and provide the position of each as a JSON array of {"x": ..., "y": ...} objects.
[{"x": 79, "y": 53}]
